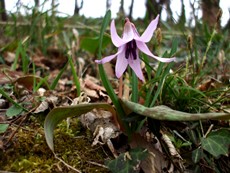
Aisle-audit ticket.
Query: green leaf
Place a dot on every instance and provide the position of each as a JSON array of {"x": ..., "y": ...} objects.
[
  {"x": 123, "y": 164},
  {"x": 58, "y": 114},
  {"x": 75, "y": 77},
  {"x": 217, "y": 142},
  {"x": 165, "y": 113},
  {"x": 197, "y": 154},
  {"x": 10, "y": 99},
  {"x": 14, "y": 110},
  {"x": 55, "y": 81},
  {"x": 3, "y": 127},
  {"x": 91, "y": 44}
]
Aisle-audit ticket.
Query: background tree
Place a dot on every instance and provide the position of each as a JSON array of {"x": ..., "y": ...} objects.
[
  {"x": 182, "y": 18},
  {"x": 210, "y": 9},
  {"x": 169, "y": 11},
  {"x": 121, "y": 9},
  {"x": 108, "y": 4},
  {"x": 77, "y": 8},
  {"x": 36, "y": 3},
  {"x": 3, "y": 10},
  {"x": 154, "y": 7},
  {"x": 131, "y": 9},
  {"x": 227, "y": 26}
]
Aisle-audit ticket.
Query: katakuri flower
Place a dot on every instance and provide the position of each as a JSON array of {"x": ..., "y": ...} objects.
[{"x": 129, "y": 46}]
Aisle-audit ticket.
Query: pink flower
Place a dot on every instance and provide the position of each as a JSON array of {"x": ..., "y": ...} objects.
[{"x": 129, "y": 46}]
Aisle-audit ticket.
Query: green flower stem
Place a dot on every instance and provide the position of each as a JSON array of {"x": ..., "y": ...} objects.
[
  {"x": 134, "y": 87},
  {"x": 105, "y": 81}
]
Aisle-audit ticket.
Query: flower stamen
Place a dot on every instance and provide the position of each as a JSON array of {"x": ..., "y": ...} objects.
[{"x": 131, "y": 48}]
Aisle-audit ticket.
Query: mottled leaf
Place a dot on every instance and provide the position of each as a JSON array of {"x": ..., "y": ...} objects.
[
  {"x": 166, "y": 113},
  {"x": 197, "y": 155},
  {"x": 58, "y": 114},
  {"x": 128, "y": 162},
  {"x": 217, "y": 142}
]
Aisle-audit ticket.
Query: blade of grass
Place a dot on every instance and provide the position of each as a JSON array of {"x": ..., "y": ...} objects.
[
  {"x": 75, "y": 77},
  {"x": 150, "y": 91},
  {"x": 165, "y": 72},
  {"x": 35, "y": 81},
  {"x": 14, "y": 66},
  {"x": 11, "y": 100},
  {"x": 105, "y": 81},
  {"x": 160, "y": 85},
  {"x": 55, "y": 81},
  {"x": 25, "y": 60},
  {"x": 41, "y": 82},
  {"x": 148, "y": 67}
]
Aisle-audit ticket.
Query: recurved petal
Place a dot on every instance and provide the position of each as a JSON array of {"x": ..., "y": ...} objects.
[
  {"x": 142, "y": 46},
  {"x": 106, "y": 59},
  {"x": 121, "y": 64},
  {"x": 109, "y": 58},
  {"x": 117, "y": 41},
  {"x": 148, "y": 33},
  {"x": 136, "y": 66}
]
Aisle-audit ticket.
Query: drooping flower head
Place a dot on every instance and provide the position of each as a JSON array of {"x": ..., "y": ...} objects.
[{"x": 129, "y": 45}]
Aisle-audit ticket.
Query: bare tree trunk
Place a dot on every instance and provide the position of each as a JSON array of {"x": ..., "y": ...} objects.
[
  {"x": 169, "y": 11},
  {"x": 182, "y": 19},
  {"x": 3, "y": 10},
  {"x": 53, "y": 8},
  {"x": 131, "y": 9},
  {"x": 210, "y": 10},
  {"x": 108, "y": 4},
  {"x": 77, "y": 8},
  {"x": 227, "y": 26},
  {"x": 36, "y": 3},
  {"x": 121, "y": 9},
  {"x": 153, "y": 8}
]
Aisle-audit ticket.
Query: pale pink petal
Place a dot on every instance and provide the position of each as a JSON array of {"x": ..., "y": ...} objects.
[
  {"x": 136, "y": 34},
  {"x": 117, "y": 41},
  {"x": 148, "y": 33},
  {"x": 136, "y": 66},
  {"x": 121, "y": 64},
  {"x": 109, "y": 58},
  {"x": 106, "y": 59},
  {"x": 128, "y": 33},
  {"x": 142, "y": 46}
]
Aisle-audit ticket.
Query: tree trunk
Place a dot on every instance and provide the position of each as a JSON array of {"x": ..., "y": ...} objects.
[
  {"x": 77, "y": 8},
  {"x": 3, "y": 10},
  {"x": 131, "y": 9},
  {"x": 182, "y": 19},
  {"x": 121, "y": 9},
  {"x": 108, "y": 4},
  {"x": 36, "y": 3},
  {"x": 210, "y": 9},
  {"x": 153, "y": 8},
  {"x": 169, "y": 11}
]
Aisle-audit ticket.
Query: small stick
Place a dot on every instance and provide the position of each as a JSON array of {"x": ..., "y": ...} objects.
[
  {"x": 67, "y": 165},
  {"x": 97, "y": 164}
]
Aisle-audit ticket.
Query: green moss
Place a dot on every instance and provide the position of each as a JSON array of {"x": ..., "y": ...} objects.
[{"x": 28, "y": 151}]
